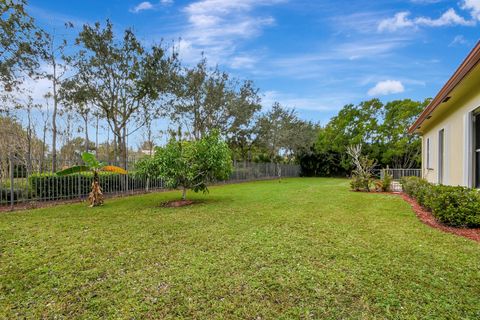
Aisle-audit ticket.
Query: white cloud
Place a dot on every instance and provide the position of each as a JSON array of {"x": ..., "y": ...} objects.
[
  {"x": 217, "y": 27},
  {"x": 449, "y": 18},
  {"x": 401, "y": 20},
  {"x": 473, "y": 6},
  {"x": 146, "y": 5},
  {"x": 386, "y": 87},
  {"x": 312, "y": 103},
  {"x": 458, "y": 40},
  {"x": 425, "y": 1},
  {"x": 243, "y": 62}
]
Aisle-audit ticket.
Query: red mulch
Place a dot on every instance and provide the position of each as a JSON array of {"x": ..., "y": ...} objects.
[
  {"x": 427, "y": 218},
  {"x": 178, "y": 203}
]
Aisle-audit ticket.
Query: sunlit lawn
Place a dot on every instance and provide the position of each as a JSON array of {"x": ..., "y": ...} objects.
[{"x": 299, "y": 248}]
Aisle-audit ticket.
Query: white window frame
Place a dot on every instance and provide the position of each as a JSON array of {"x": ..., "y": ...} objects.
[
  {"x": 441, "y": 166},
  {"x": 428, "y": 161}
]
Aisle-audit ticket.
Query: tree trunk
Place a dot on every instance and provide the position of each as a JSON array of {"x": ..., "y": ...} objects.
[
  {"x": 184, "y": 194},
  {"x": 85, "y": 118},
  {"x": 29, "y": 142},
  {"x": 96, "y": 195},
  {"x": 54, "y": 117},
  {"x": 96, "y": 138},
  {"x": 43, "y": 147}
]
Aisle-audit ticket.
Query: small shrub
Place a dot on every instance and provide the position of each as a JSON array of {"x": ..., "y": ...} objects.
[
  {"x": 384, "y": 184},
  {"x": 362, "y": 175},
  {"x": 454, "y": 206}
]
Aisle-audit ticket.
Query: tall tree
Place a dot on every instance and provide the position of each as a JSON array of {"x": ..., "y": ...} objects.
[
  {"x": 20, "y": 45},
  {"x": 57, "y": 61},
  {"x": 210, "y": 100},
  {"x": 275, "y": 128},
  {"x": 75, "y": 98},
  {"x": 354, "y": 124},
  {"x": 402, "y": 150},
  {"x": 122, "y": 77}
]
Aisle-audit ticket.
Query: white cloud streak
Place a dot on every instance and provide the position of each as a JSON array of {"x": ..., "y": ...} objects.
[
  {"x": 401, "y": 20},
  {"x": 217, "y": 27},
  {"x": 146, "y": 5}
]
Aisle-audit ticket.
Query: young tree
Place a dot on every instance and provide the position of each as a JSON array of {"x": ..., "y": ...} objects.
[
  {"x": 190, "y": 164},
  {"x": 122, "y": 77},
  {"x": 94, "y": 166}
]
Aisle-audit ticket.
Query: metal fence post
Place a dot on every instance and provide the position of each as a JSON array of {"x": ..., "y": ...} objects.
[
  {"x": 12, "y": 181},
  {"x": 79, "y": 186}
]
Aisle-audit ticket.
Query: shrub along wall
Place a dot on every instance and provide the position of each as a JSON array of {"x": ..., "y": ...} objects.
[{"x": 454, "y": 206}]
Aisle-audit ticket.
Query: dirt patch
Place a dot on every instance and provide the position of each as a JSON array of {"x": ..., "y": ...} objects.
[
  {"x": 179, "y": 203},
  {"x": 427, "y": 218}
]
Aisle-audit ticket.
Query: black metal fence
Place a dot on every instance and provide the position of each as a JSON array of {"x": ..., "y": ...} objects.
[{"x": 33, "y": 181}]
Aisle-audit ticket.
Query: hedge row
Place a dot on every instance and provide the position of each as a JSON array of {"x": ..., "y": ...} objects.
[
  {"x": 6, "y": 195},
  {"x": 454, "y": 206}
]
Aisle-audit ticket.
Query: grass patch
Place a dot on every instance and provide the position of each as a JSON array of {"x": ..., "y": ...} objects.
[{"x": 299, "y": 248}]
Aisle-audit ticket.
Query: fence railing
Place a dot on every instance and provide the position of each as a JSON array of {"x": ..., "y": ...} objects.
[
  {"x": 398, "y": 174},
  {"x": 21, "y": 182}
]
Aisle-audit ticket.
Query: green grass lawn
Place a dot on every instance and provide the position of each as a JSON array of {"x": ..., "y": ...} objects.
[{"x": 295, "y": 249}]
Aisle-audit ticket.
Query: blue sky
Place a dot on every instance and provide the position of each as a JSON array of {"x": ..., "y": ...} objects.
[{"x": 315, "y": 56}]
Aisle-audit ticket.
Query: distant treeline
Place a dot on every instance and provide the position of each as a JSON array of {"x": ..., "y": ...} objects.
[{"x": 380, "y": 128}]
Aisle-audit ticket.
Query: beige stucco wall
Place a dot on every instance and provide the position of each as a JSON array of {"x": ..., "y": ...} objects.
[{"x": 454, "y": 117}]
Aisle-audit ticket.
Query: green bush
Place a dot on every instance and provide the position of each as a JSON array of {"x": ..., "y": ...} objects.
[
  {"x": 360, "y": 182},
  {"x": 6, "y": 195},
  {"x": 454, "y": 206},
  {"x": 384, "y": 184}
]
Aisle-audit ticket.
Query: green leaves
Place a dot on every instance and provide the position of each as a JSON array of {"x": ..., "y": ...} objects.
[
  {"x": 91, "y": 164},
  {"x": 90, "y": 160},
  {"x": 190, "y": 164},
  {"x": 73, "y": 170}
]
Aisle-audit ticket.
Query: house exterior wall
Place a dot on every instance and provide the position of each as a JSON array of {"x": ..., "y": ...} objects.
[{"x": 457, "y": 142}]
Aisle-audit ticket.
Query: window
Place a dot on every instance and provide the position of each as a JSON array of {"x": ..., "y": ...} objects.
[
  {"x": 441, "y": 154},
  {"x": 476, "y": 150}
]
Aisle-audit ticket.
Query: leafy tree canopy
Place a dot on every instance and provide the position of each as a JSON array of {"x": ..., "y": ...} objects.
[{"x": 190, "y": 164}]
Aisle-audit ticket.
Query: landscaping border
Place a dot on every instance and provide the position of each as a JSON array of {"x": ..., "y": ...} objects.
[{"x": 427, "y": 218}]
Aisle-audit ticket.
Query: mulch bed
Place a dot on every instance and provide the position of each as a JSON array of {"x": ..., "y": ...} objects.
[
  {"x": 427, "y": 218},
  {"x": 178, "y": 203}
]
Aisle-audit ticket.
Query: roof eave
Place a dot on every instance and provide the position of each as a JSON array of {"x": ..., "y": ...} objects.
[{"x": 462, "y": 71}]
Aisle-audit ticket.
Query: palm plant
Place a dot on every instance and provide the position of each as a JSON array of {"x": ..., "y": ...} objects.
[{"x": 94, "y": 166}]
